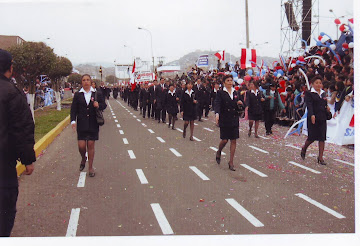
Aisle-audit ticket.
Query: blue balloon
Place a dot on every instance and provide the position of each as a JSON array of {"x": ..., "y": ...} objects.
[
  {"x": 263, "y": 72},
  {"x": 322, "y": 34},
  {"x": 275, "y": 74},
  {"x": 281, "y": 72},
  {"x": 318, "y": 43},
  {"x": 258, "y": 74},
  {"x": 234, "y": 74},
  {"x": 250, "y": 72}
]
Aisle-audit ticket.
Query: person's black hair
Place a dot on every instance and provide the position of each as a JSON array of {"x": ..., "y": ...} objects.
[
  {"x": 171, "y": 84},
  {"x": 340, "y": 86},
  {"x": 332, "y": 87},
  {"x": 351, "y": 79},
  {"x": 313, "y": 79},
  {"x": 86, "y": 75},
  {"x": 226, "y": 77},
  {"x": 326, "y": 85}
]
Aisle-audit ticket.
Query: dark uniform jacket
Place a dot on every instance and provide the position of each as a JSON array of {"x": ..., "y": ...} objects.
[
  {"x": 171, "y": 103},
  {"x": 187, "y": 104},
  {"x": 160, "y": 94},
  {"x": 16, "y": 132},
  {"x": 227, "y": 108},
  {"x": 254, "y": 102},
  {"x": 145, "y": 96},
  {"x": 199, "y": 93},
  {"x": 316, "y": 105},
  {"x": 85, "y": 114}
]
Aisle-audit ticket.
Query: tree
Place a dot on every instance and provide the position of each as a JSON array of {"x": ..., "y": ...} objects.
[
  {"x": 32, "y": 60},
  {"x": 97, "y": 82},
  {"x": 111, "y": 79},
  {"x": 75, "y": 79},
  {"x": 61, "y": 68}
]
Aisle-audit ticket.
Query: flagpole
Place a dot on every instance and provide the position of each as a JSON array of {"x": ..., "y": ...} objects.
[{"x": 247, "y": 24}]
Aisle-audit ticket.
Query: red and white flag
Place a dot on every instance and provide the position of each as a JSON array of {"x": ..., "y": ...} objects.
[
  {"x": 248, "y": 58},
  {"x": 132, "y": 77},
  {"x": 220, "y": 55}
]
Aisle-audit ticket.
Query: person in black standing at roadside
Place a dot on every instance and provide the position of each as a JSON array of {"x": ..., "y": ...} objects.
[
  {"x": 180, "y": 91},
  {"x": 199, "y": 90},
  {"x": 316, "y": 103},
  {"x": 115, "y": 92},
  {"x": 254, "y": 98},
  {"x": 160, "y": 94},
  {"x": 213, "y": 95},
  {"x": 127, "y": 94},
  {"x": 207, "y": 98},
  {"x": 16, "y": 142},
  {"x": 83, "y": 119},
  {"x": 152, "y": 98},
  {"x": 227, "y": 117},
  {"x": 171, "y": 102},
  {"x": 103, "y": 89},
  {"x": 145, "y": 98},
  {"x": 188, "y": 109}
]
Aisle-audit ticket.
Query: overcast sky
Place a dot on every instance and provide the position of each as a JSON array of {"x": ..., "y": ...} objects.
[{"x": 96, "y": 31}]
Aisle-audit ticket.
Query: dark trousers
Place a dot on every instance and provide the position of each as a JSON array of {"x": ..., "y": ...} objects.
[
  {"x": 148, "y": 107},
  {"x": 161, "y": 112},
  {"x": 207, "y": 109},
  {"x": 200, "y": 109},
  {"x": 8, "y": 199},
  {"x": 153, "y": 109},
  {"x": 269, "y": 118}
]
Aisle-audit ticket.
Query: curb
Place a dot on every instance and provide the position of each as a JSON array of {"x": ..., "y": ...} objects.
[{"x": 44, "y": 142}]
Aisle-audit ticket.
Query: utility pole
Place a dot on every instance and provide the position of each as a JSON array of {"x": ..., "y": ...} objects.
[{"x": 247, "y": 24}]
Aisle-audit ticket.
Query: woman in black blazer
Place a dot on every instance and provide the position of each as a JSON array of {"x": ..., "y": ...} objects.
[
  {"x": 188, "y": 109},
  {"x": 171, "y": 102},
  {"x": 227, "y": 117},
  {"x": 316, "y": 103},
  {"x": 254, "y": 98},
  {"x": 83, "y": 119}
]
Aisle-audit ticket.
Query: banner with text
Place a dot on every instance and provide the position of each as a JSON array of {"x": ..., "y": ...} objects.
[{"x": 203, "y": 61}]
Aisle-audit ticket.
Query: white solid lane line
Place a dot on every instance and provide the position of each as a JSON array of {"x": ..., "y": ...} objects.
[
  {"x": 345, "y": 162},
  {"x": 138, "y": 120},
  {"x": 131, "y": 154},
  {"x": 118, "y": 125},
  {"x": 82, "y": 178},
  {"x": 199, "y": 173},
  {"x": 263, "y": 137},
  {"x": 215, "y": 149},
  {"x": 254, "y": 170},
  {"x": 319, "y": 205},
  {"x": 116, "y": 121},
  {"x": 141, "y": 176},
  {"x": 244, "y": 212},
  {"x": 196, "y": 139},
  {"x": 208, "y": 129},
  {"x": 292, "y": 146},
  {"x": 121, "y": 132},
  {"x": 73, "y": 222},
  {"x": 151, "y": 131},
  {"x": 175, "y": 152},
  {"x": 161, "y": 218},
  {"x": 258, "y": 149},
  {"x": 160, "y": 139},
  {"x": 179, "y": 129},
  {"x": 304, "y": 167},
  {"x": 125, "y": 141}
]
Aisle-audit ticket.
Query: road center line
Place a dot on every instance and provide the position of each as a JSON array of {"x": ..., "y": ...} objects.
[
  {"x": 160, "y": 139},
  {"x": 125, "y": 141},
  {"x": 118, "y": 125},
  {"x": 160, "y": 217},
  {"x": 112, "y": 113},
  {"x": 175, "y": 152},
  {"x": 199, "y": 173},
  {"x": 292, "y": 146},
  {"x": 121, "y": 132},
  {"x": 244, "y": 212},
  {"x": 131, "y": 154},
  {"x": 82, "y": 178},
  {"x": 215, "y": 149},
  {"x": 254, "y": 170},
  {"x": 263, "y": 137},
  {"x": 345, "y": 162},
  {"x": 319, "y": 205},
  {"x": 116, "y": 121},
  {"x": 304, "y": 167},
  {"x": 179, "y": 129},
  {"x": 141, "y": 176},
  {"x": 138, "y": 120},
  {"x": 73, "y": 222},
  {"x": 114, "y": 117},
  {"x": 258, "y": 149},
  {"x": 196, "y": 139},
  {"x": 151, "y": 131},
  {"x": 208, "y": 129}
]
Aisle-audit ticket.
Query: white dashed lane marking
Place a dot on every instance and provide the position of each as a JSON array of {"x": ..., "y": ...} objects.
[
  {"x": 161, "y": 218},
  {"x": 258, "y": 149},
  {"x": 244, "y": 212},
  {"x": 125, "y": 141},
  {"x": 215, "y": 149},
  {"x": 131, "y": 154},
  {"x": 73, "y": 222},
  {"x": 254, "y": 170},
  {"x": 199, "y": 173},
  {"x": 141, "y": 176},
  {"x": 175, "y": 152},
  {"x": 160, "y": 139},
  {"x": 304, "y": 167}
]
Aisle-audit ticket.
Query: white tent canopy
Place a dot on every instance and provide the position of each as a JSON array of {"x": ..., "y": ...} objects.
[{"x": 168, "y": 69}]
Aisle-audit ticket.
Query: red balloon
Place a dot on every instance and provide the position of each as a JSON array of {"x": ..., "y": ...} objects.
[
  {"x": 247, "y": 77},
  {"x": 293, "y": 61},
  {"x": 301, "y": 58},
  {"x": 342, "y": 28},
  {"x": 237, "y": 88},
  {"x": 345, "y": 45},
  {"x": 320, "y": 37},
  {"x": 351, "y": 20},
  {"x": 337, "y": 21}
]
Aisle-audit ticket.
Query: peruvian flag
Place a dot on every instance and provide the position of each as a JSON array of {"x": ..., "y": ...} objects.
[
  {"x": 248, "y": 55},
  {"x": 132, "y": 78},
  {"x": 220, "y": 55}
]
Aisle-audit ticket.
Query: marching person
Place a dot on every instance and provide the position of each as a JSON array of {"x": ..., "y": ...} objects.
[
  {"x": 115, "y": 92},
  {"x": 227, "y": 117},
  {"x": 316, "y": 104},
  {"x": 207, "y": 98},
  {"x": 188, "y": 109},
  {"x": 145, "y": 97},
  {"x": 171, "y": 102},
  {"x": 152, "y": 98},
  {"x": 160, "y": 94},
  {"x": 271, "y": 104},
  {"x": 199, "y": 90},
  {"x": 253, "y": 102},
  {"x": 16, "y": 142},
  {"x": 83, "y": 119},
  {"x": 213, "y": 95}
]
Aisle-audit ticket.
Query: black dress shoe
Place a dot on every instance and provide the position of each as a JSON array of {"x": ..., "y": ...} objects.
[
  {"x": 218, "y": 157},
  {"x": 231, "y": 167},
  {"x": 302, "y": 154},
  {"x": 82, "y": 166},
  {"x": 322, "y": 162}
]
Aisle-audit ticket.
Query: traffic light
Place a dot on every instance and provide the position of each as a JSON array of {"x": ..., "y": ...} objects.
[{"x": 100, "y": 70}]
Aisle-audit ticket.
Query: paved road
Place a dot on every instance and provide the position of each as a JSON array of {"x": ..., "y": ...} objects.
[{"x": 151, "y": 181}]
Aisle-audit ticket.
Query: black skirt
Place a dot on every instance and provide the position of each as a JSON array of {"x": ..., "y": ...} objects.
[
  {"x": 253, "y": 116},
  {"x": 317, "y": 131},
  {"x": 87, "y": 135},
  {"x": 229, "y": 133}
]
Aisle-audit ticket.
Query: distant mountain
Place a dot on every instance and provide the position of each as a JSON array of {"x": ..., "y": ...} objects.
[
  {"x": 189, "y": 60},
  {"x": 93, "y": 70}
]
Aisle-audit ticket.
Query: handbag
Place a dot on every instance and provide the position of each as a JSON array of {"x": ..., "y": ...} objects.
[{"x": 99, "y": 115}]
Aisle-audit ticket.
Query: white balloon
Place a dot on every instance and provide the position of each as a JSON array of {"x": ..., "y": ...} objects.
[
  {"x": 333, "y": 46},
  {"x": 316, "y": 62},
  {"x": 293, "y": 65},
  {"x": 278, "y": 75},
  {"x": 351, "y": 45},
  {"x": 240, "y": 81}
]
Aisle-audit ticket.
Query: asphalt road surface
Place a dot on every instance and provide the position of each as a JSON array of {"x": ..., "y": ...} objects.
[{"x": 151, "y": 181}]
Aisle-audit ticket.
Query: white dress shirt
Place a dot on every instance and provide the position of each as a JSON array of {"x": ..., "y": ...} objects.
[{"x": 87, "y": 96}]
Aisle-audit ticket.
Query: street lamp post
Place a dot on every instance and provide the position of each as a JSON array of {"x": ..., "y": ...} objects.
[{"x": 152, "y": 53}]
